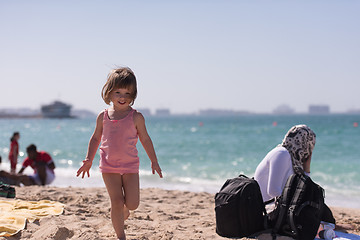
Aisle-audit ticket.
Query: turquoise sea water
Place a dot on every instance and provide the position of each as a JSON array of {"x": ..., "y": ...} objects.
[{"x": 199, "y": 153}]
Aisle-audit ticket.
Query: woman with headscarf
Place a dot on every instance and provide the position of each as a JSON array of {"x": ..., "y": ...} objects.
[{"x": 293, "y": 155}]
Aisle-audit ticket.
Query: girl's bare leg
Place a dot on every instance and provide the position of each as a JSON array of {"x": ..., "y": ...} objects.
[
  {"x": 131, "y": 192},
  {"x": 114, "y": 186}
]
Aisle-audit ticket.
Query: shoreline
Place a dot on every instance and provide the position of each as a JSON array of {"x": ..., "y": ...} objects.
[
  {"x": 162, "y": 214},
  {"x": 66, "y": 177}
]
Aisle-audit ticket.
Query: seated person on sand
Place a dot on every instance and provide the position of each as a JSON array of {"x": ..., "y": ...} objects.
[
  {"x": 42, "y": 164},
  {"x": 293, "y": 155}
]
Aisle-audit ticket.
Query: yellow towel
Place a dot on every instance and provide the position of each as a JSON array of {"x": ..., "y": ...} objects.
[{"x": 14, "y": 213}]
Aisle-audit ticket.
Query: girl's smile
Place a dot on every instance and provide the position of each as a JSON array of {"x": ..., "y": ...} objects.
[{"x": 121, "y": 97}]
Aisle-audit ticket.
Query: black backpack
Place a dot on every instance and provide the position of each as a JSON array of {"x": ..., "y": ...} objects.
[
  {"x": 239, "y": 208},
  {"x": 298, "y": 210}
]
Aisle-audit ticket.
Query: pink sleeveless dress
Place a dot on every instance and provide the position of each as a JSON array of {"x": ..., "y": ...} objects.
[{"x": 118, "y": 153}]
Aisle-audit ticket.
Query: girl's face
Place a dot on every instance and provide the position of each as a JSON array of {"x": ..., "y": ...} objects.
[{"x": 121, "y": 98}]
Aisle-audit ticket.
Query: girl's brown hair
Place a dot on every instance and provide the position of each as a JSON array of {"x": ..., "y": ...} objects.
[{"x": 120, "y": 78}]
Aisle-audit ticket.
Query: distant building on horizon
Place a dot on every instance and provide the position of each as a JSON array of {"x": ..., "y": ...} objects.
[
  {"x": 19, "y": 113},
  {"x": 221, "y": 112},
  {"x": 283, "y": 109},
  {"x": 162, "y": 112},
  {"x": 319, "y": 109},
  {"x": 56, "y": 109},
  {"x": 353, "y": 111}
]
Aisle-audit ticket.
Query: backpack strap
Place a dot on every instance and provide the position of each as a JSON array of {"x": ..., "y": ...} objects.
[
  {"x": 283, "y": 205},
  {"x": 265, "y": 223},
  {"x": 265, "y": 218},
  {"x": 307, "y": 203},
  {"x": 269, "y": 201},
  {"x": 298, "y": 192},
  {"x": 265, "y": 212}
]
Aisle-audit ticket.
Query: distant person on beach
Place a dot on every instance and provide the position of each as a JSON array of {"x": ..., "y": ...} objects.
[
  {"x": 118, "y": 129},
  {"x": 14, "y": 151},
  {"x": 42, "y": 164},
  {"x": 293, "y": 155}
]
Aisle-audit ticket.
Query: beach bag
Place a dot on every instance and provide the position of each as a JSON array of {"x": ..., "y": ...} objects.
[
  {"x": 239, "y": 208},
  {"x": 7, "y": 190},
  {"x": 298, "y": 210}
]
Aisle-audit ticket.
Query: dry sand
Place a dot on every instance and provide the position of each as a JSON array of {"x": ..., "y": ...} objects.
[{"x": 162, "y": 214}]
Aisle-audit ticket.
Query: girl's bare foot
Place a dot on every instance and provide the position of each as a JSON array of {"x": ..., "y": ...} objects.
[{"x": 126, "y": 213}]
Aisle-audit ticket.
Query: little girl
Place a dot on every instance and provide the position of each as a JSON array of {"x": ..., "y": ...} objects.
[{"x": 118, "y": 129}]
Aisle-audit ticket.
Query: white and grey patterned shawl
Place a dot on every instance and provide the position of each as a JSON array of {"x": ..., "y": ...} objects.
[{"x": 300, "y": 142}]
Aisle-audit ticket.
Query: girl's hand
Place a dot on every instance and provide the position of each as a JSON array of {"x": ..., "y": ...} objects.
[
  {"x": 85, "y": 168},
  {"x": 155, "y": 167}
]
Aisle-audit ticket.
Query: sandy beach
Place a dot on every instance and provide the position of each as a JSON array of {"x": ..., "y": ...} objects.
[{"x": 162, "y": 214}]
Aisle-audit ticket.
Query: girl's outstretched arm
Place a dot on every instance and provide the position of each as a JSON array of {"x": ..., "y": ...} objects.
[
  {"x": 146, "y": 142},
  {"x": 93, "y": 146}
]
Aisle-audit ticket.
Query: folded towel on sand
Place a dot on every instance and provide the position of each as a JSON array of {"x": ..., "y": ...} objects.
[
  {"x": 345, "y": 236},
  {"x": 14, "y": 213}
]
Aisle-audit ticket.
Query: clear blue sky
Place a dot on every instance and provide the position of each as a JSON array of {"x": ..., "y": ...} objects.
[{"x": 187, "y": 55}]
